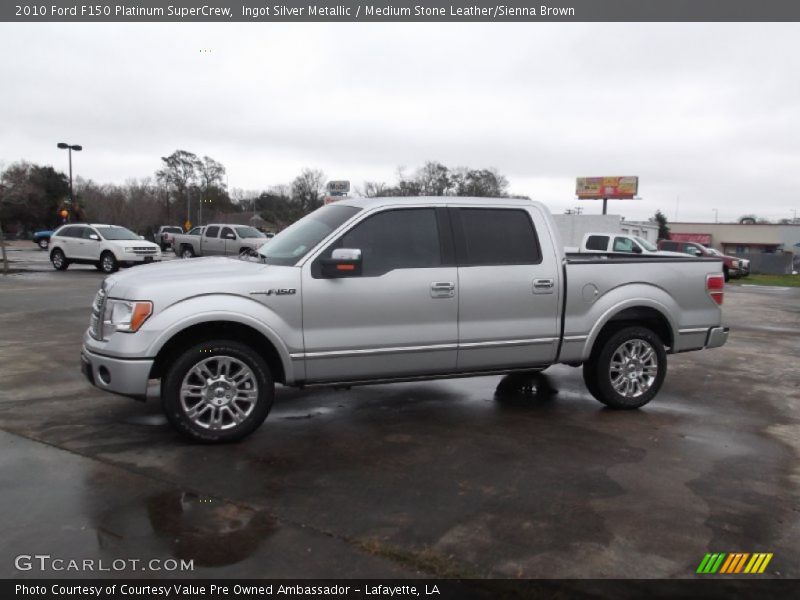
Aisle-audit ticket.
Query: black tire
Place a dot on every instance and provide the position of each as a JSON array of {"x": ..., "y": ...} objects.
[
  {"x": 163, "y": 247},
  {"x": 187, "y": 252},
  {"x": 176, "y": 409},
  {"x": 726, "y": 273},
  {"x": 108, "y": 263},
  {"x": 59, "y": 260},
  {"x": 43, "y": 243},
  {"x": 598, "y": 371}
]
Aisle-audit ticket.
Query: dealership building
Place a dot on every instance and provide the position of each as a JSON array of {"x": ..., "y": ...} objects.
[
  {"x": 737, "y": 238},
  {"x": 773, "y": 248}
]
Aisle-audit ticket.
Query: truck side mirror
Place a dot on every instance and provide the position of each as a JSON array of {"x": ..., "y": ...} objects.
[
  {"x": 344, "y": 262},
  {"x": 94, "y": 236},
  {"x": 230, "y": 236}
]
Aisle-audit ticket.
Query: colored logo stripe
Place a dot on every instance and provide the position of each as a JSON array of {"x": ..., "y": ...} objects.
[
  {"x": 711, "y": 563},
  {"x": 734, "y": 562}
]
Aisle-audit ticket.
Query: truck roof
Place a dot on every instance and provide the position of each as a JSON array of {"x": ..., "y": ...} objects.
[{"x": 442, "y": 200}]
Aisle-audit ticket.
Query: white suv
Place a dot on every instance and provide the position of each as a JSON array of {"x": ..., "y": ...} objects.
[{"x": 107, "y": 247}]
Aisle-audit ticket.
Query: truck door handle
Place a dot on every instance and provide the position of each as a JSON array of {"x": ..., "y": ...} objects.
[
  {"x": 443, "y": 289},
  {"x": 544, "y": 286}
]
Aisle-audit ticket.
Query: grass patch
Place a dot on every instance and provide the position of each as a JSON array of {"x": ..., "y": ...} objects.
[{"x": 777, "y": 280}]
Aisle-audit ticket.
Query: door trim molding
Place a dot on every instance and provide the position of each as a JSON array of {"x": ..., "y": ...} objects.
[{"x": 428, "y": 348}]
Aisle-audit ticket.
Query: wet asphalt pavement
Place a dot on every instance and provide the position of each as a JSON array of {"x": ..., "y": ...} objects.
[{"x": 439, "y": 478}]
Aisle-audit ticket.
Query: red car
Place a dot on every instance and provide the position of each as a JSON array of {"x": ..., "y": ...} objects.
[{"x": 732, "y": 266}]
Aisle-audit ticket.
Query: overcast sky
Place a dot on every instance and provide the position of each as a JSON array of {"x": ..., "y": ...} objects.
[{"x": 709, "y": 113}]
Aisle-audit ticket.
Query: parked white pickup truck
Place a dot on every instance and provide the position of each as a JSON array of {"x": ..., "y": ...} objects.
[
  {"x": 603, "y": 243},
  {"x": 219, "y": 239},
  {"x": 391, "y": 289}
]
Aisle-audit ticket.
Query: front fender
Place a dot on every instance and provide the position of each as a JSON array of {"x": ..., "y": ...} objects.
[
  {"x": 284, "y": 332},
  {"x": 283, "y": 329}
]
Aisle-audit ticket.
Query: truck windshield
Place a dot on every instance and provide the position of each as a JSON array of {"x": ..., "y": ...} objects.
[
  {"x": 249, "y": 232},
  {"x": 646, "y": 245},
  {"x": 116, "y": 233},
  {"x": 294, "y": 242}
]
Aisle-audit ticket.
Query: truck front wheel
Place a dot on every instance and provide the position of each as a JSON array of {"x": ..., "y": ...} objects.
[
  {"x": 627, "y": 368},
  {"x": 217, "y": 391}
]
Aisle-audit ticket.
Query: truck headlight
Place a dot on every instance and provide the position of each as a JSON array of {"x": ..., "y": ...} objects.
[
  {"x": 126, "y": 315},
  {"x": 129, "y": 250}
]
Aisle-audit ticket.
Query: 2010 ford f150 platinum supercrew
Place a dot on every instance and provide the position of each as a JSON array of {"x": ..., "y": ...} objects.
[{"x": 391, "y": 289}]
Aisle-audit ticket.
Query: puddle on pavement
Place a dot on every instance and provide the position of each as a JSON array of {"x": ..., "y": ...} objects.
[
  {"x": 211, "y": 532},
  {"x": 305, "y": 414},
  {"x": 156, "y": 420}
]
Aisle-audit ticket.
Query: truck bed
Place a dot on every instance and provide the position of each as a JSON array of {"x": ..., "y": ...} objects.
[{"x": 667, "y": 291}]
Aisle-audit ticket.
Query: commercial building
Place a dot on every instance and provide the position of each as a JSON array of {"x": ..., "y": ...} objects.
[
  {"x": 736, "y": 238},
  {"x": 771, "y": 248}
]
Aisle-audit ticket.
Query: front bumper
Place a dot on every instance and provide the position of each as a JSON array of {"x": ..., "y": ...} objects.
[
  {"x": 139, "y": 258},
  {"x": 717, "y": 336},
  {"x": 127, "y": 377}
]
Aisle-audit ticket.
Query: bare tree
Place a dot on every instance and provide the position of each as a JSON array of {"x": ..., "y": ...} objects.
[
  {"x": 308, "y": 189},
  {"x": 433, "y": 179},
  {"x": 179, "y": 172},
  {"x": 373, "y": 189}
]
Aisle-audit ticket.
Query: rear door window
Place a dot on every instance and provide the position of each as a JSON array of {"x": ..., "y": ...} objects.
[
  {"x": 66, "y": 232},
  {"x": 212, "y": 232},
  {"x": 597, "y": 242},
  {"x": 490, "y": 236},
  {"x": 227, "y": 231}
]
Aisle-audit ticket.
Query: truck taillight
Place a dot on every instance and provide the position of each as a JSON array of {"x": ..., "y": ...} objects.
[{"x": 714, "y": 285}]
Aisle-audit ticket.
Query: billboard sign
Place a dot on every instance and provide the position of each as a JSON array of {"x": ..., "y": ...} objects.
[{"x": 611, "y": 188}]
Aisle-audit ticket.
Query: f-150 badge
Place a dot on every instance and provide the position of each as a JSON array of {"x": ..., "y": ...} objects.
[{"x": 275, "y": 292}]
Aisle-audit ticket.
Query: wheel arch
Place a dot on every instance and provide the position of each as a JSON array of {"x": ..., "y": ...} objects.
[
  {"x": 642, "y": 312},
  {"x": 220, "y": 329}
]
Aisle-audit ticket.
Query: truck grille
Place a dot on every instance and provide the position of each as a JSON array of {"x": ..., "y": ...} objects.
[
  {"x": 144, "y": 250},
  {"x": 98, "y": 310}
]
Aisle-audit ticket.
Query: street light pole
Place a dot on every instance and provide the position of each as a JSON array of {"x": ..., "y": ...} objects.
[
  {"x": 70, "y": 148},
  {"x": 716, "y": 215}
]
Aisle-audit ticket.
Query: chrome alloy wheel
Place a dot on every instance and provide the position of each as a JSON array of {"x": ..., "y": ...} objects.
[
  {"x": 58, "y": 260},
  {"x": 219, "y": 392},
  {"x": 633, "y": 369}
]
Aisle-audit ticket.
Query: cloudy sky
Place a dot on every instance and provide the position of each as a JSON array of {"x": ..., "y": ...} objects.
[{"x": 707, "y": 115}]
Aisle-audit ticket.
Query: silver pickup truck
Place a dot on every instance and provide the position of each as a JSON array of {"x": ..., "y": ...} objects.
[
  {"x": 392, "y": 289},
  {"x": 218, "y": 239}
]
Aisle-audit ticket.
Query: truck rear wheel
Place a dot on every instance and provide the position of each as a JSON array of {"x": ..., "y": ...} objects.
[
  {"x": 187, "y": 252},
  {"x": 218, "y": 391},
  {"x": 627, "y": 368}
]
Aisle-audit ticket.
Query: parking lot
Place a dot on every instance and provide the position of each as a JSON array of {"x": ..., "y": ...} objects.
[{"x": 443, "y": 478}]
